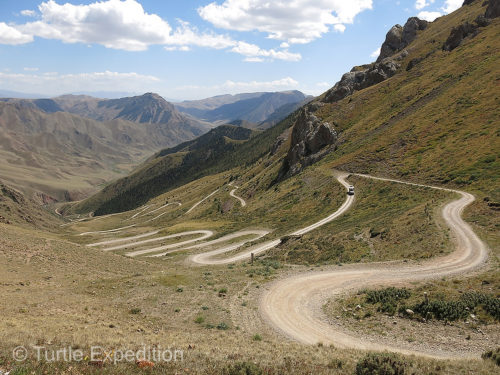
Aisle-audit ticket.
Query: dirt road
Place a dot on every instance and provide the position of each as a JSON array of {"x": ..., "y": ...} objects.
[{"x": 293, "y": 305}]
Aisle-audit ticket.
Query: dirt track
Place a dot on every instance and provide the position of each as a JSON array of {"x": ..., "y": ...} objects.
[{"x": 293, "y": 305}]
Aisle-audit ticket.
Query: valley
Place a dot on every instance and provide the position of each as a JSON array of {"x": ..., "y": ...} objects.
[{"x": 356, "y": 232}]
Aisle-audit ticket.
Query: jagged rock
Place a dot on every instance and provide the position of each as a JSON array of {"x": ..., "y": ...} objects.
[
  {"x": 360, "y": 79},
  {"x": 493, "y": 10},
  {"x": 309, "y": 140},
  {"x": 458, "y": 34},
  {"x": 400, "y": 37},
  {"x": 468, "y": 2},
  {"x": 392, "y": 42}
]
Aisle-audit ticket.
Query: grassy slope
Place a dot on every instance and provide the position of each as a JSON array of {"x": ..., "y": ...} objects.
[{"x": 436, "y": 123}]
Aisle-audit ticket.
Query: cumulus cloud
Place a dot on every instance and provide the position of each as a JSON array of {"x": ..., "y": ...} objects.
[
  {"x": 53, "y": 83},
  {"x": 10, "y": 35},
  {"x": 114, "y": 24},
  {"x": 451, "y": 5},
  {"x": 298, "y": 21},
  {"x": 255, "y": 53},
  {"x": 421, "y": 4},
  {"x": 125, "y": 25},
  {"x": 429, "y": 16}
]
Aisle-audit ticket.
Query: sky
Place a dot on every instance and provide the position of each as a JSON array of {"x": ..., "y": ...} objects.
[{"x": 192, "y": 49}]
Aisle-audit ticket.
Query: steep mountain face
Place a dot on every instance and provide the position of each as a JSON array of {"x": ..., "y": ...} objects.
[
  {"x": 254, "y": 108},
  {"x": 419, "y": 104},
  {"x": 167, "y": 169}
]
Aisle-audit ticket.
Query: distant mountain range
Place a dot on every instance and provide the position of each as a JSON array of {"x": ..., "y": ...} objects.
[
  {"x": 254, "y": 108},
  {"x": 64, "y": 147}
]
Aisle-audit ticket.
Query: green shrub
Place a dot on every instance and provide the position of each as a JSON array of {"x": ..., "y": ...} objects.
[
  {"x": 257, "y": 337},
  {"x": 244, "y": 368},
  {"x": 381, "y": 364},
  {"x": 222, "y": 326},
  {"x": 135, "y": 310},
  {"x": 494, "y": 355},
  {"x": 388, "y": 295},
  {"x": 199, "y": 320},
  {"x": 455, "y": 310}
]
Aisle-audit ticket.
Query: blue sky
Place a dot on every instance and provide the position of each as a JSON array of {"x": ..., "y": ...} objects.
[{"x": 187, "y": 49}]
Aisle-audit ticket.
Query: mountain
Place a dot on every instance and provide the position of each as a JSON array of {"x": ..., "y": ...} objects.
[
  {"x": 148, "y": 108},
  {"x": 252, "y": 107},
  {"x": 49, "y": 149},
  {"x": 423, "y": 113}
]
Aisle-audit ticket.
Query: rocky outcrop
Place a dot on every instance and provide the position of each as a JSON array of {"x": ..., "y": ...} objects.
[
  {"x": 391, "y": 52},
  {"x": 309, "y": 142},
  {"x": 493, "y": 10},
  {"x": 459, "y": 33},
  {"x": 361, "y": 78},
  {"x": 399, "y": 37}
]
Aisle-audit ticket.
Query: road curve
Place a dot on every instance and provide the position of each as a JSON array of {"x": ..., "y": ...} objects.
[
  {"x": 231, "y": 193},
  {"x": 207, "y": 258},
  {"x": 293, "y": 305}
]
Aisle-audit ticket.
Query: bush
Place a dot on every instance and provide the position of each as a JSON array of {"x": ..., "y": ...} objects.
[
  {"x": 494, "y": 355},
  {"x": 455, "y": 310},
  {"x": 244, "y": 368},
  {"x": 387, "y": 296},
  {"x": 222, "y": 326},
  {"x": 135, "y": 311},
  {"x": 257, "y": 337},
  {"x": 381, "y": 364},
  {"x": 199, "y": 320}
]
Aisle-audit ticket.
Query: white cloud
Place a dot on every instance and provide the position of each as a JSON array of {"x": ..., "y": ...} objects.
[
  {"x": 53, "y": 83},
  {"x": 125, "y": 25},
  {"x": 254, "y": 59},
  {"x": 429, "y": 16},
  {"x": 235, "y": 87},
  {"x": 253, "y": 51},
  {"x": 114, "y": 24},
  {"x": 28, "y": 13},
  {"x": 451, "y": 5},
  {"x": 298, "y": 21},
  {"x": 10, "y": 35},
  {"x": 421, "y": 4},
  {"x": 375, "y": 53},
  {"x": 30, "y": 69}
]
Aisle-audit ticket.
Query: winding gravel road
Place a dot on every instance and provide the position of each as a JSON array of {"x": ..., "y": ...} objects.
[
  {"x": 293, "y": 305},
  {"x": 232, "y": 193}
]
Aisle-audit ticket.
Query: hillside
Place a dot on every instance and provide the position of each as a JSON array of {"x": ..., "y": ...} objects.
[
  {"x": 414, "y": 111},
  {"x": 253, "y": 107},
  {"x": 167, "y": 169}
]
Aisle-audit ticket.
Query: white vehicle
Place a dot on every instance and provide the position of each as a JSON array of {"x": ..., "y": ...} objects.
[{"x": 351, "y": 190}]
